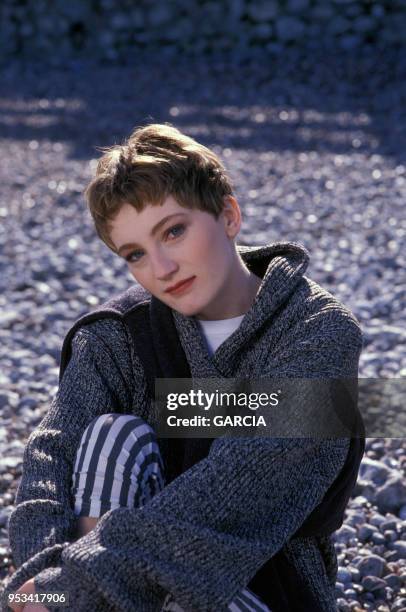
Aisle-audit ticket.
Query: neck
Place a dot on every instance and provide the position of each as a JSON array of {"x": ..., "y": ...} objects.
[{"x": 237, "y": 297}]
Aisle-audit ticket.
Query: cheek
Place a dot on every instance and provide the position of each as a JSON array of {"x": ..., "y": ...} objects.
[
  {"x": 140, "y": 277},
  {"x": 210, "y": 245},
  {"x": 216, "y": 255}
]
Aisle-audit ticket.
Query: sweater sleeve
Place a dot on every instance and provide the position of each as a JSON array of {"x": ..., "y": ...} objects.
[
  {"x": 44, "y": 513},
  {"x": 206, "y": 534}
]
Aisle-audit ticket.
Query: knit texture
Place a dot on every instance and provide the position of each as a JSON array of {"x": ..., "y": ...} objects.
[{"x": 207, "y": 533}]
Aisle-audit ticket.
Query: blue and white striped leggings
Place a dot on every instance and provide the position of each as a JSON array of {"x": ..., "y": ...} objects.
[{"x": 118, "y": 464}]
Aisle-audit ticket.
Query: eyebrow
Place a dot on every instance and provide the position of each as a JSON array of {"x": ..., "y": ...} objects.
[{"x": 152, "y": 232}]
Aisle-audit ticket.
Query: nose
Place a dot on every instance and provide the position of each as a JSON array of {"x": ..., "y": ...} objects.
[{"x": 163, "y": 266}]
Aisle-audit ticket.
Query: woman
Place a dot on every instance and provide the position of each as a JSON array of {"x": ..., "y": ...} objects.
[{"x": 235, "y": 525}]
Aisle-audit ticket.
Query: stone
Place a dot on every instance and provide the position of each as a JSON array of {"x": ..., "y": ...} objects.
[
  {"x": 345, "y": 534},
  {"x": 390, "y": 523},
  {"x": 392, "y": 495},
  {"x": 391, "y": 556},
  {"x": 263, "y": 10},
  {"x": 365, "y": 532},
  {"x": 338, "y": 25},
  {"x": 400, "y": 547},
  {"x": 390, "y": 535},
  {"x": 368, "y": 489},
  {"x": 355, "y": 575},
  {"x": 373, "y": 583},
  {"x": 350, "y": 42},
  {"x": 378, "y": 538},
  {"x": 393, "y": 581},
  {"x": 7, "y": 463},
  {"x": 402, "y": 513},
  {"x": 375, "y": 471},
  {"x": 342, "y": 605},
  {"x": 5, "y": 515},
  {"x": 339, "y": 589},
  {"x": 297, "y": 6},
  {"x": 160, "y": 14},
  {"x": 289, "y": 29},
  {"x": 119, "y": 21},
  {"x": 377, "y": 519},
  {"x": 262, "y": 31},
  {"x": 355, "y": 518},
  {"x": 364, "y": 24},
  {"x": 323, "y": 12},
  {"x": 399, "y": 605},
  {"x": 371, "y": 566},
  {"x": 344, "y": 575}
]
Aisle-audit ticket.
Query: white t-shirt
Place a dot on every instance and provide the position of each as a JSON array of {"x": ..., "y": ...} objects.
[{"x": 215, "y": 332}]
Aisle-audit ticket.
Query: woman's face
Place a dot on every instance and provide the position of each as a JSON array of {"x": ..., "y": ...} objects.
[{"x": 182, "y": 256}]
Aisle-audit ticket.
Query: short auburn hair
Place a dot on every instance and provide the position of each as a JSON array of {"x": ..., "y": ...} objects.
[{"x": 156, "y": 161}]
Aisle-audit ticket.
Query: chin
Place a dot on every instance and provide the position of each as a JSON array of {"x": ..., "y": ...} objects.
[{"x": 188, "y": 310}]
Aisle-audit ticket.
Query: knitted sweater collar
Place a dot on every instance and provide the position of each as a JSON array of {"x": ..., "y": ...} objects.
[{"x": 281, "y": 266}]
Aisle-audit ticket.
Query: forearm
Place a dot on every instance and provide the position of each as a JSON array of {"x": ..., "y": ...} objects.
[
  {"x": 206, "y": 534},
  {"x": 43, "y": 500}
]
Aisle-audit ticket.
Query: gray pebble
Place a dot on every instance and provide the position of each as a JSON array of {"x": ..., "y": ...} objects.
[
  {"x": 400, "y": 547},
  {"x": 390, "y": 524},
  {"x": 392, "y": 495},
  {"x": 373, "y": 583},
  {"x": 375, "y": 471},
  {"x": 5, "y": 514},
  {"x": 344, "y": 575},
  {"x": 378, "y": 538},
  {"x": 365, "y": 532},
  {"x": 7, "y": 463},
  {"x": 339, "y": 589},
  {"x": 371, "y": 566},
  {"x": 345, "y": 534},
  {"x": 402, "y": 513},
  {"x": 399, "y": 605},
  {"x": 393, "y": 581},
  {"x": 377, "y": 519},
  {"x": 342, "y": 605},
  {"x": 316, "y": 161},
  {"x": 390, "y": 535}
]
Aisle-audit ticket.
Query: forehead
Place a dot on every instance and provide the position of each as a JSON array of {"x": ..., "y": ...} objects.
[
  {"x": 131, "y": 225},
  {"x": 150, "y": 214}
]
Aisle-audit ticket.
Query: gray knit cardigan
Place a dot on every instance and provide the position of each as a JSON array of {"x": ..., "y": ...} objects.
[{"x": 210, "y": 530}]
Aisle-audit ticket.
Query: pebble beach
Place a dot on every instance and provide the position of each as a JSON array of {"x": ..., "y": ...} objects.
[{"x": 316, "y": 148}]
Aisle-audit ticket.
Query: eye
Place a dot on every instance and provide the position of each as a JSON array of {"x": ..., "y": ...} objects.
[
  {"x": 175, "y": 230},
  {"x": 134, "y": 256}
]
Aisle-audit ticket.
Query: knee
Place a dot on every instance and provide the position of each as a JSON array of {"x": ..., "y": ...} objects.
[
  {"x": 130, "y": 421},
  {"x": 117, "y": 464},
  {"x": 114, "y": 437},
  {"x": 110, "y": 417}
]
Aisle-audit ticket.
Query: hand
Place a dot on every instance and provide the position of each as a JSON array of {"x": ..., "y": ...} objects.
[{"x": 27, "y": 588}]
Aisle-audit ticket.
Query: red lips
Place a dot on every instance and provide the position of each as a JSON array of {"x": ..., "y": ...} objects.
[{"x": 180, "y": 286}]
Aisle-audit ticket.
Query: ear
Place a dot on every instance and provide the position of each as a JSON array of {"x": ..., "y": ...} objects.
[{"x": 231, "y": 215}]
